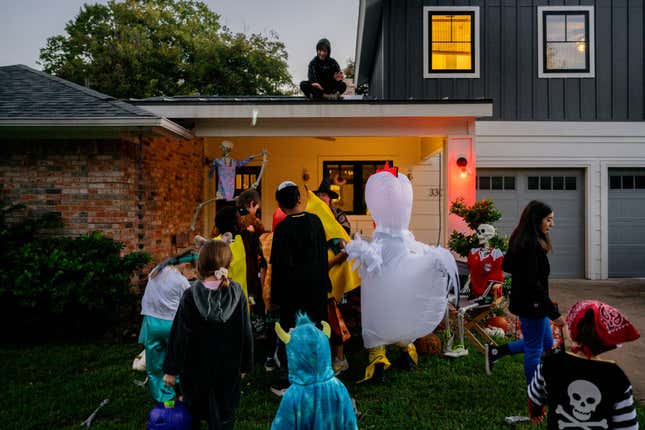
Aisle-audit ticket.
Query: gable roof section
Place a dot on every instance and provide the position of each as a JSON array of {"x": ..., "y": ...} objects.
[
  {"x": 31, "y": 99},
  {"x": 367, "y": 39}
]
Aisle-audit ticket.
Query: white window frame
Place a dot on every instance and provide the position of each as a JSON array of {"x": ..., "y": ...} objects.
[
  {"x": 540, "y": 42},
  {"x": 427, "y": 74}
]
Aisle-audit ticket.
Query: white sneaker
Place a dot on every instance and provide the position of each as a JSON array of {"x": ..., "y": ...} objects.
[
  {"x": 458, "y": 351},
  {"x": 340, "y": 366}
]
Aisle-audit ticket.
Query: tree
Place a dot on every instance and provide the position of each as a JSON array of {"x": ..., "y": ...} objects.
[
  {"x": 349, "y": 69},
  {"x": 145, "y": 48}
]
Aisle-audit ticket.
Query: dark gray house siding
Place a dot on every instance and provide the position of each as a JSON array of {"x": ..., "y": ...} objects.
[{"x": 509, "y": 62}]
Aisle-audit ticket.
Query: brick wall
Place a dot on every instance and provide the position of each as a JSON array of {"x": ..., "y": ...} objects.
[
  {"x": 141, "y": 193},
  {"x": 173, "y": 186}
]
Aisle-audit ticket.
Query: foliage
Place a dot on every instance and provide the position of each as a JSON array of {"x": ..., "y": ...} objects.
[
  {"x": 481, "y": 212},
  {"x": 78, "y": 282},
  {"x": 145, "y": 48},
  {"x": 349, "y": 69}
]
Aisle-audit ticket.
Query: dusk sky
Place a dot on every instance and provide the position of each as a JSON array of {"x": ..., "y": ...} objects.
[{"x": 25, "y": 26}]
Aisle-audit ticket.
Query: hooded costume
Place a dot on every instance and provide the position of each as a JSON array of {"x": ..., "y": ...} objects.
[
  {"x": 316, "y": 399},
  {"x": 211, "y": 343},
  {"x": 582, "y": 391},
  {"x": 322, "y": 72}
]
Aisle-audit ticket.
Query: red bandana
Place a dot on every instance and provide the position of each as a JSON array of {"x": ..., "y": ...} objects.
[{"x": 612, "y": 327}]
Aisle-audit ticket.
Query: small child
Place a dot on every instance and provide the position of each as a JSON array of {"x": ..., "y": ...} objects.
[
  {"x": 211, "y": 344},
  {"x": 316, "y": 399},
  {"x": 167, "y": 282},
  {"x": 581, "y": 390}
]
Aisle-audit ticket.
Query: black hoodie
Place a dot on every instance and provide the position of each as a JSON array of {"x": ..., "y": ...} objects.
[
  {"x": 211, "y": 343},
  {"x": 322, "y": 71}
]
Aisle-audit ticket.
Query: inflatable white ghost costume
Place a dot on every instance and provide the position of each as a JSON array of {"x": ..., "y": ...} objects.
[{"x": 405, "y": 282}]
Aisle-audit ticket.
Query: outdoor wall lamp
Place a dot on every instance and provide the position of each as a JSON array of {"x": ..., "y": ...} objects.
[{"x": 462, "y": 163}]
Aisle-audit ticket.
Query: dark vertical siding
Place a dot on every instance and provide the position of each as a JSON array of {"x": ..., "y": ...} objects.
[{"x": 508, "y": 61}]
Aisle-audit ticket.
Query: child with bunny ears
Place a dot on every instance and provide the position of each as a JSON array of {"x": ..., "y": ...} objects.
[{"x": 211, "y": 342}]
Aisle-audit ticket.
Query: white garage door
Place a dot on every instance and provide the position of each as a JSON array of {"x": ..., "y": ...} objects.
[
  {"x": 626, "y": 222},
  {"x": 563, "y": 190}
]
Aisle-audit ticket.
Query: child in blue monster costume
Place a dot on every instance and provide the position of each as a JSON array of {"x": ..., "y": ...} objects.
[{"x": 316, "y": 399}]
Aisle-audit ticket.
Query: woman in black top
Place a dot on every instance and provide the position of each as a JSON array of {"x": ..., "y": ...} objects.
[{"x": 527, "y": 262}]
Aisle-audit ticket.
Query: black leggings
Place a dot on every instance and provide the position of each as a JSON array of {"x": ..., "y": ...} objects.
[{"x": 315, "y": 93}]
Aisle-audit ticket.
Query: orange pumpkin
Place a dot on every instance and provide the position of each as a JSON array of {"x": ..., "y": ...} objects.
[
  {"x": 429, "y": 345},
  {"x": 498, "y": 321}
]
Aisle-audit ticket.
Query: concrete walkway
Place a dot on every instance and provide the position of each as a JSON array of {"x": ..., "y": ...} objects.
[{"x": 628, "y": 295}]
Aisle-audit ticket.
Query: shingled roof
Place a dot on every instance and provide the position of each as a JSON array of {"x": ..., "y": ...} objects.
[
  {"x": 25, "y": 92},
  {"x": 31, "y": 99}
]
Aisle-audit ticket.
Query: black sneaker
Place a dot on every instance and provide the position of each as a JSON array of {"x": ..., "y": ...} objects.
[
  {"x": 491, "y": 355},
  {"x": 403, "y": 362},
  {"x": 379, "y": 374}
]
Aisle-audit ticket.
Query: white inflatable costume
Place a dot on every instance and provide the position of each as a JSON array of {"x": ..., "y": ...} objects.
[{"x": 405, "y": 282}]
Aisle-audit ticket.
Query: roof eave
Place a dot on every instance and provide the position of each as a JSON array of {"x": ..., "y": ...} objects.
[{"x": 79, "y": 127}]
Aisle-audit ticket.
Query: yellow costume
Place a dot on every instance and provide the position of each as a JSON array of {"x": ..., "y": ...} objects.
[
  {"x": 237, "y": 271},
  {"x": 343, "y": 278}
]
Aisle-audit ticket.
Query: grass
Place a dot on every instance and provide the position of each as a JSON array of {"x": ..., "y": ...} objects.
[{"x": 58, "y": 386}]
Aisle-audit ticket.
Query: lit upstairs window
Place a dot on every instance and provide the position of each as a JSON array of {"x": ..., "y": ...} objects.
[
  {"x": 452, "y": 47},
  {"x": 451, "y": 42}
]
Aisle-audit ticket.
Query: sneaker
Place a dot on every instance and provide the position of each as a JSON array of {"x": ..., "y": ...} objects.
[
  {"x": 403, "y": 362},
  {"x": 270, "y": 364},
  {"x": 379, "y": 374},
  {"x": 340, "y": 366},
  {"x": 279, "y": 391},
  {"x": 457, "y": 351},
  {"x": 333, "y": 96},
  {"x": 491, "y": 355}
]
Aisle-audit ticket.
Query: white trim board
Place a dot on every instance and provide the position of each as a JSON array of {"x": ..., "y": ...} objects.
[
  {"x": 560, "y": 128},
  {"x": 319, "y": 110},
  {"x": 427, "y": 73}
]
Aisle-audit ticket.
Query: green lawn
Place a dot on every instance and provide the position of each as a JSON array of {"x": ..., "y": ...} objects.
[{"x": 58, "y": 386}]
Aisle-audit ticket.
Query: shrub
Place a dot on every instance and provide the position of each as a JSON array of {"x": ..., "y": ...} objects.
[
  {"x": 67, "y": 283},
  {"x": 481, "y": 212}
]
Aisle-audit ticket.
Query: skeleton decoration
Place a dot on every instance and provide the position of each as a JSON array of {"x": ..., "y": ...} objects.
[
  {"x": 484, "y": 263},
  {"x": 485, "y": 232},
  {"x": 584, "y": 398}
]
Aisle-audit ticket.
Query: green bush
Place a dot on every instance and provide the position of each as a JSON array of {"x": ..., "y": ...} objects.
[
  {"x": 481, "y": 212},
  {"x": 77, "y": 283}
]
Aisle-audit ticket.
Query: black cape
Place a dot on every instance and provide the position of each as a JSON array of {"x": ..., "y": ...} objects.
[
  {"x": 300, "y": 278},
  {"x": 210, "y": 344}
]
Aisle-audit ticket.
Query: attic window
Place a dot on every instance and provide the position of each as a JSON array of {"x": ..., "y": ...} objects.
[{"x": 451, "y": 42}]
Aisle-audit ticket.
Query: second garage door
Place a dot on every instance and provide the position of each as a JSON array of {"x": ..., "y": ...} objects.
[{"x": 563, "y": 190}]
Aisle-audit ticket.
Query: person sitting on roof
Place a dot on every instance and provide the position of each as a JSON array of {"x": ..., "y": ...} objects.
[{"x": 324, "y": 78}]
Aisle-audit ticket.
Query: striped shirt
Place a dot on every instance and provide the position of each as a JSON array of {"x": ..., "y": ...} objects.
[{"x": 583, "y": 393}]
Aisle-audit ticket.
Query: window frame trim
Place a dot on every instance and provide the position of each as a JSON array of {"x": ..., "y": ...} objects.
[
  {"x": 541, "y": 42},
  {"x": 476, "y": 55}
]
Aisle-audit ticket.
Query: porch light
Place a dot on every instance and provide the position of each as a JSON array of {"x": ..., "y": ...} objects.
[{"x": 462, "y": 163}]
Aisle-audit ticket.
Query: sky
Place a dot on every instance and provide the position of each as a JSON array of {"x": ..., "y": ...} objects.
[{"x": 25, "y": 26}]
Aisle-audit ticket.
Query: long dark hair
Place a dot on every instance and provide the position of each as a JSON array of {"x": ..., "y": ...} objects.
[{"x": 528, "y": 232}]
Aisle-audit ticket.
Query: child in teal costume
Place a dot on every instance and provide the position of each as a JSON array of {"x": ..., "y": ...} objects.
[
  {"x": 166, "y": 284},
  {"x": 316, "y": 399}
]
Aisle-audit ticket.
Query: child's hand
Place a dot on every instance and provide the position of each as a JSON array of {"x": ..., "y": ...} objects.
[
  {"x": 317, "y": 85},
  {"x": 170, "y": 380},
  {"x": 242, "y": 375}
]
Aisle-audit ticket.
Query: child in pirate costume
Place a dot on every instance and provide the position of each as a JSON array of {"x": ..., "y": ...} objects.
[
  {"x": 581, "y": 390},
  {"x": 316, "y": 399},
  {"x": 211, "y": 344}
]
